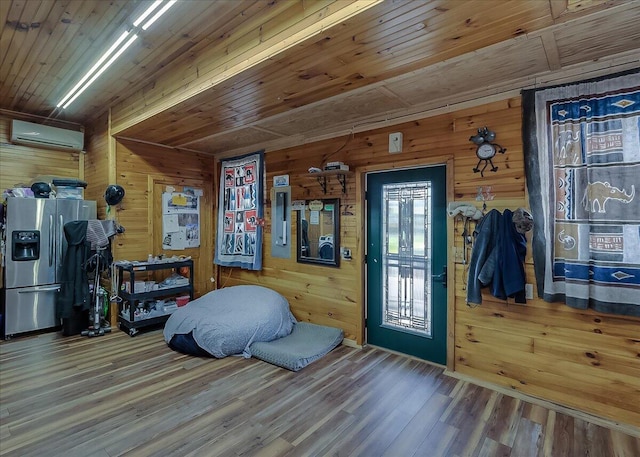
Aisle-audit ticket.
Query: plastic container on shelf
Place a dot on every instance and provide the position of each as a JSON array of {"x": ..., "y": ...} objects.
[{"x": 67, "y": 192}]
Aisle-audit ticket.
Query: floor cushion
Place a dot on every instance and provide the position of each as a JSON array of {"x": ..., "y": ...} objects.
[{"x": 305, "y": 344}]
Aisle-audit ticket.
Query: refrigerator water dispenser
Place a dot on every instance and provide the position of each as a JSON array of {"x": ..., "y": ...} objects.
[{"x": 25, "y": 245}]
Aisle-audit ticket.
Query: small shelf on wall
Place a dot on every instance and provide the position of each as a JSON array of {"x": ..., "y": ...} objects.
[{"x": 340, "y": 175}]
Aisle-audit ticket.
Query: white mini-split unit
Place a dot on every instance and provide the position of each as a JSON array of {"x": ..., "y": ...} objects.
[{"x": 44, "y": 136}]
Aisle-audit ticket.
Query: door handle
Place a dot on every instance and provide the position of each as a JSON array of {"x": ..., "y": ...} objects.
[
  {"x": 35, "y": 290},
  {"x": 52, "y": 240},
  {"x": 60, "y": 240},
  {"x": 442, "y": 277}
]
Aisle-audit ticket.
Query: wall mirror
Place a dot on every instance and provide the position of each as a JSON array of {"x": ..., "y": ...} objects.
[{"x": 319, "y": 232}]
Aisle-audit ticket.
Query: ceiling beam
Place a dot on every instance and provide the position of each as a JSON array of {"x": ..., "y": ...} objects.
[
  {"x": 298, "y": 28},
  {"x": 551, "y": 50}
]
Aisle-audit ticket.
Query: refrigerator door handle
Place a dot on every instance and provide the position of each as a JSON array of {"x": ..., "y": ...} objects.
[
  {"x": 35, "y": 290},
  {"x": 51, "y": 240},
  {"x": 60, "y": 241}
]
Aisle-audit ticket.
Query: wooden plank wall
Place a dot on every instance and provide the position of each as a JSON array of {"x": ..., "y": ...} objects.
[
  {"x": 318, "y": 294},
  {"x": 96, "y": 168},
  {"x": 22, "y": 164},
  {"x": 144, "y": 170},
  {"x": 581, "y": 359}
]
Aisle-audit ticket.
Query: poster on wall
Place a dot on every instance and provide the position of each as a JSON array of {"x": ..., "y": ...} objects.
[
  {"x": 180, "y": 220},
  {"x": 239, "y": 235}
]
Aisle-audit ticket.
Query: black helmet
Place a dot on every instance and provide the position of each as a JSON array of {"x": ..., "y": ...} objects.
[
  {"x": 41, "y": 189},
  {"x": 114, "y": 194}
]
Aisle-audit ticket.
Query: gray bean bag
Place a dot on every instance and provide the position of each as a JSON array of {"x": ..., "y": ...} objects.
[{"x": 226, "y": 321}]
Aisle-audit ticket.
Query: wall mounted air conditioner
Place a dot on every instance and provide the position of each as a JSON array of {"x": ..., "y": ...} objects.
[{"x": 44, "y": 136}]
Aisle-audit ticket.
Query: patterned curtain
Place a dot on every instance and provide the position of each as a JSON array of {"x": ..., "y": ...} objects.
[
  {"x": 239, "y": 234},
  {"x": 582, "y": 162}
]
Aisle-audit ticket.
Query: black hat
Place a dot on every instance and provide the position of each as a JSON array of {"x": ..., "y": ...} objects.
[
  {"x": 114, "y": 194},
  {"x": 41, "y": 189}
]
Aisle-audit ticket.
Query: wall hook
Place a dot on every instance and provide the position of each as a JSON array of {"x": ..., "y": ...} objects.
[{"x": 484, "y": 195}]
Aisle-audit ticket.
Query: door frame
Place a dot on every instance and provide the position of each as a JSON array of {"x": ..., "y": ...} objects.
[
  {"x": 360, "y": 176},
  {"x": 205, "y": 250}
]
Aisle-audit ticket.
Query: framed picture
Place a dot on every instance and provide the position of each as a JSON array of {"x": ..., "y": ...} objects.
[{"x": 281, "y": 181}]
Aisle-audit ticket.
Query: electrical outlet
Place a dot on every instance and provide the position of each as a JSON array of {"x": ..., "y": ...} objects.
[{"x": 528, "y": 291}]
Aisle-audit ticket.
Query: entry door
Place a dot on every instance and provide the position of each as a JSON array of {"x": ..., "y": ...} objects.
[{"x": 406, "y": 262}]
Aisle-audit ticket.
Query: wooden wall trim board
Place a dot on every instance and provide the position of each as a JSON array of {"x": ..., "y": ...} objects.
[
  {"x": 111, "y": 153},
  {"x": 558, "y": 7},
  {"x": 151, "y": 143},
  {"x": 358, "y": 252},
  {"x": 451, "y": 324},
  {"x": 351, "y": 343}
]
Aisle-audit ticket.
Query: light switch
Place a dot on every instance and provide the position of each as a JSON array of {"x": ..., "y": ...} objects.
[{"x": 395, "y": 143}]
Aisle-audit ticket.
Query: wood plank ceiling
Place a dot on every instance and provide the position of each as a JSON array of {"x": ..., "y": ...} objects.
[{"x": 228, "y": 75}]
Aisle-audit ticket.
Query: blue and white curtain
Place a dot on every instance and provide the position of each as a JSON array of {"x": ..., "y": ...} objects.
[
  {"x": 240, "y": 211},
  {"x": 582, "y": 162}
]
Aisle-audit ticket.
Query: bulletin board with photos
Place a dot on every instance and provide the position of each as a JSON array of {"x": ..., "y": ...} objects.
[{"x": 181, "y": 219}]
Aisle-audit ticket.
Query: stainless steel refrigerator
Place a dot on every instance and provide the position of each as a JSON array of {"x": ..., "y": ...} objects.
[{"x": 35, "y": 246}]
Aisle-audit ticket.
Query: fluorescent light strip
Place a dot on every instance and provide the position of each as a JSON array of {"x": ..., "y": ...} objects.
[
  {"x": 144, "y": 15},
  {"x": 158, "y": 14},
  {"x": 90, "y": 72},
  {"x": 66, "y": 101},
  {"x": 104, "y": 67}
]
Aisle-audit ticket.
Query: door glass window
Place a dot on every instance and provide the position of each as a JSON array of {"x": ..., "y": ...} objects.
[{"x": 406, "y": 256}]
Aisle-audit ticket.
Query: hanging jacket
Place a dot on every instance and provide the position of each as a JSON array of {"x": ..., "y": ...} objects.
[
  {"x": 497, "y": 259},
  {"x": 483, "y": 254},
  {"x": 74, "y": 283},
  {"x": 514, "y": 251}
]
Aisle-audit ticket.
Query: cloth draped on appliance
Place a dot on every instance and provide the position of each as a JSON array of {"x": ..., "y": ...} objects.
[
  {"x": 86, "y": 240},
  {"x": 497, "y": 259},
  {"x": 99, "y": 233}
]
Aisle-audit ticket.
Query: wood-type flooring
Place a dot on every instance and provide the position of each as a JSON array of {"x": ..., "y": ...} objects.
[{"x": 116, "y": 395}]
